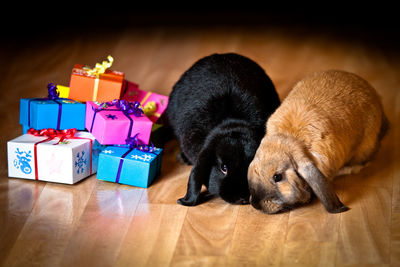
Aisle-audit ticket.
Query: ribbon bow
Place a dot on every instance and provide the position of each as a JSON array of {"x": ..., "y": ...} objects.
[
  {"x": 62, "y": 134},
  {"x": 129, "y": 107},
  {"x": 150, "y": 108},
  {"x": 126, "y": 107},
  {"x": 53, "y": 93},
  {"x": 52, "y": 133},
  {"x": 101, "y": 68},
  {"x": 135, "y": 143}
]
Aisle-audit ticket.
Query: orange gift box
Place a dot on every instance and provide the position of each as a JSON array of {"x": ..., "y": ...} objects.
[{"x": 102, "y": 87}]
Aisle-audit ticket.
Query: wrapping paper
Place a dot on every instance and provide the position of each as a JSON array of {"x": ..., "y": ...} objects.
[
  {"x": 65, "y": 162},
  {"x": 63, "y": 91},
  {"x": 60, "y": 113},
  {"x": 97, "y": 84},
  {"x": 123, "y": 165},
  {"x": 111, "y": 126},
  {"x": 146, "y": 99}
]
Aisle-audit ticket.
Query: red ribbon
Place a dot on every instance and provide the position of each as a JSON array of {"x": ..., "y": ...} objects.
[
  {"x": 52, "y": 133},
  {"x": 62, "y": 135}
]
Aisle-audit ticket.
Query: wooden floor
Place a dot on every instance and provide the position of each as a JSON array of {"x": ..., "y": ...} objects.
[{"x": 96, "y": 223}]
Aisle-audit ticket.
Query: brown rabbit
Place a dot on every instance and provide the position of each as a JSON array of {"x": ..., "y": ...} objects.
[{"x": 331, "y": 123}]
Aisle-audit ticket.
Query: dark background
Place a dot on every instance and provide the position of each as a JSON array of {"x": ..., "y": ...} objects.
[{"x": 25, "y": 24}]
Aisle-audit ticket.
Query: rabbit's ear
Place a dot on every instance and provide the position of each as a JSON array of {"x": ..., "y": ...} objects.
[
  {"x": 198, "y": 176},
  {"x": 321, "y": 187}
]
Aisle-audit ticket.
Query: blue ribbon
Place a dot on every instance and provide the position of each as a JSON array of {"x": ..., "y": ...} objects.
[
  {"x": 127, "y": 107},
  {"x": 53, "y": 93},
  {"x": 133, "y": 143}
]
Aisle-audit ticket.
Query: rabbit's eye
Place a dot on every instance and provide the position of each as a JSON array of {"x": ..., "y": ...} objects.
[
  {"x": 224, "y": 169},
  {"x": 277, "y": 177}
]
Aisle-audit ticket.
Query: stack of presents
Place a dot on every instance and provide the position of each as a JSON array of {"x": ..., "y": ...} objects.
[{"x": 100, "y": 123}]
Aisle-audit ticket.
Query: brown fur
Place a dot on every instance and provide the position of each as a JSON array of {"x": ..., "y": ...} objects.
[{"x": 329, "y": 120}]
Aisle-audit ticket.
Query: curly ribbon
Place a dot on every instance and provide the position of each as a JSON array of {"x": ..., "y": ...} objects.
[
  {"x": 96, "y": 71},
  {"x": 151, "y": 107},
  {"x": 133, "y": 143},
  {"x": 62, "y": 135},
  {"x": 128, "y": 108},
  {"x": 121, "y": 105},
  {"x": 53, "y": 95},
  {"x": 52, "y": 133},
  {"x": 101, "y": 68}
]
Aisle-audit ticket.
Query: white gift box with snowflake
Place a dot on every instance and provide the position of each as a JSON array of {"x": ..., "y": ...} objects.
[
  {"x": 123, "y": 165},
  {"x": 37, "y": 158}
]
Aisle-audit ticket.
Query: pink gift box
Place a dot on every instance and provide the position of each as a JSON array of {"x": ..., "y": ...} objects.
[
  {"x": 111, "y": 126},
  {"x": 133, "y": 93}
]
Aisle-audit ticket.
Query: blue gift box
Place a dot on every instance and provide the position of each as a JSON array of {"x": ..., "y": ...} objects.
[
  {"x": 25, "y": 128},
  {"x": 123, "y": 165},
  {"x": 60, "y": 114}
]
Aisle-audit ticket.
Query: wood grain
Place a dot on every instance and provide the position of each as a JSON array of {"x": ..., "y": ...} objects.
[{"x": 96, "y": 223}]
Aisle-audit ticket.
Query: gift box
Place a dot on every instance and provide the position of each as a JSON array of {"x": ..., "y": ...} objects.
[
  {"x": 131, "y": 166},
  {"x": 25, "y": 128},
  {"x": 52, "y": 112},
  {"x": 62, "y": 158},
  {"x": 97, "y": 84},
  {"x": 63, "y": 91},
  {"x": 153, "y": 104},
  {"x": 128, "y": 85},
  {"x": 111, "y": 124}
]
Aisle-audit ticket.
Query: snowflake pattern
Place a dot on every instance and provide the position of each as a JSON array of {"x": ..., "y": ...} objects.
[
  {"x": 145, "y": 157},
  {"x": 110, "y": 116},
  {"x": 80, "y": 162},
  {"x": 107, "y": 151}
]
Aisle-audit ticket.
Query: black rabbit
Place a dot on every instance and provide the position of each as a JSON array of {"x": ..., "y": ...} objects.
[{"x": 217, "y": 111}]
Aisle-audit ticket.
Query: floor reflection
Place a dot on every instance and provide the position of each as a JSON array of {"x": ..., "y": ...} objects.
[{"x": 117, "y": 200}]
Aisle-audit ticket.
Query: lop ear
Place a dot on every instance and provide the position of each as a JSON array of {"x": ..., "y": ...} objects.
[
  {"x": 198, "y": 176},
  {"x": 321, "y": 187}
]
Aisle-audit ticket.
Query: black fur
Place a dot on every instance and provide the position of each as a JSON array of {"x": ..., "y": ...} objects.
[{"x": 218, "y": 110}]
